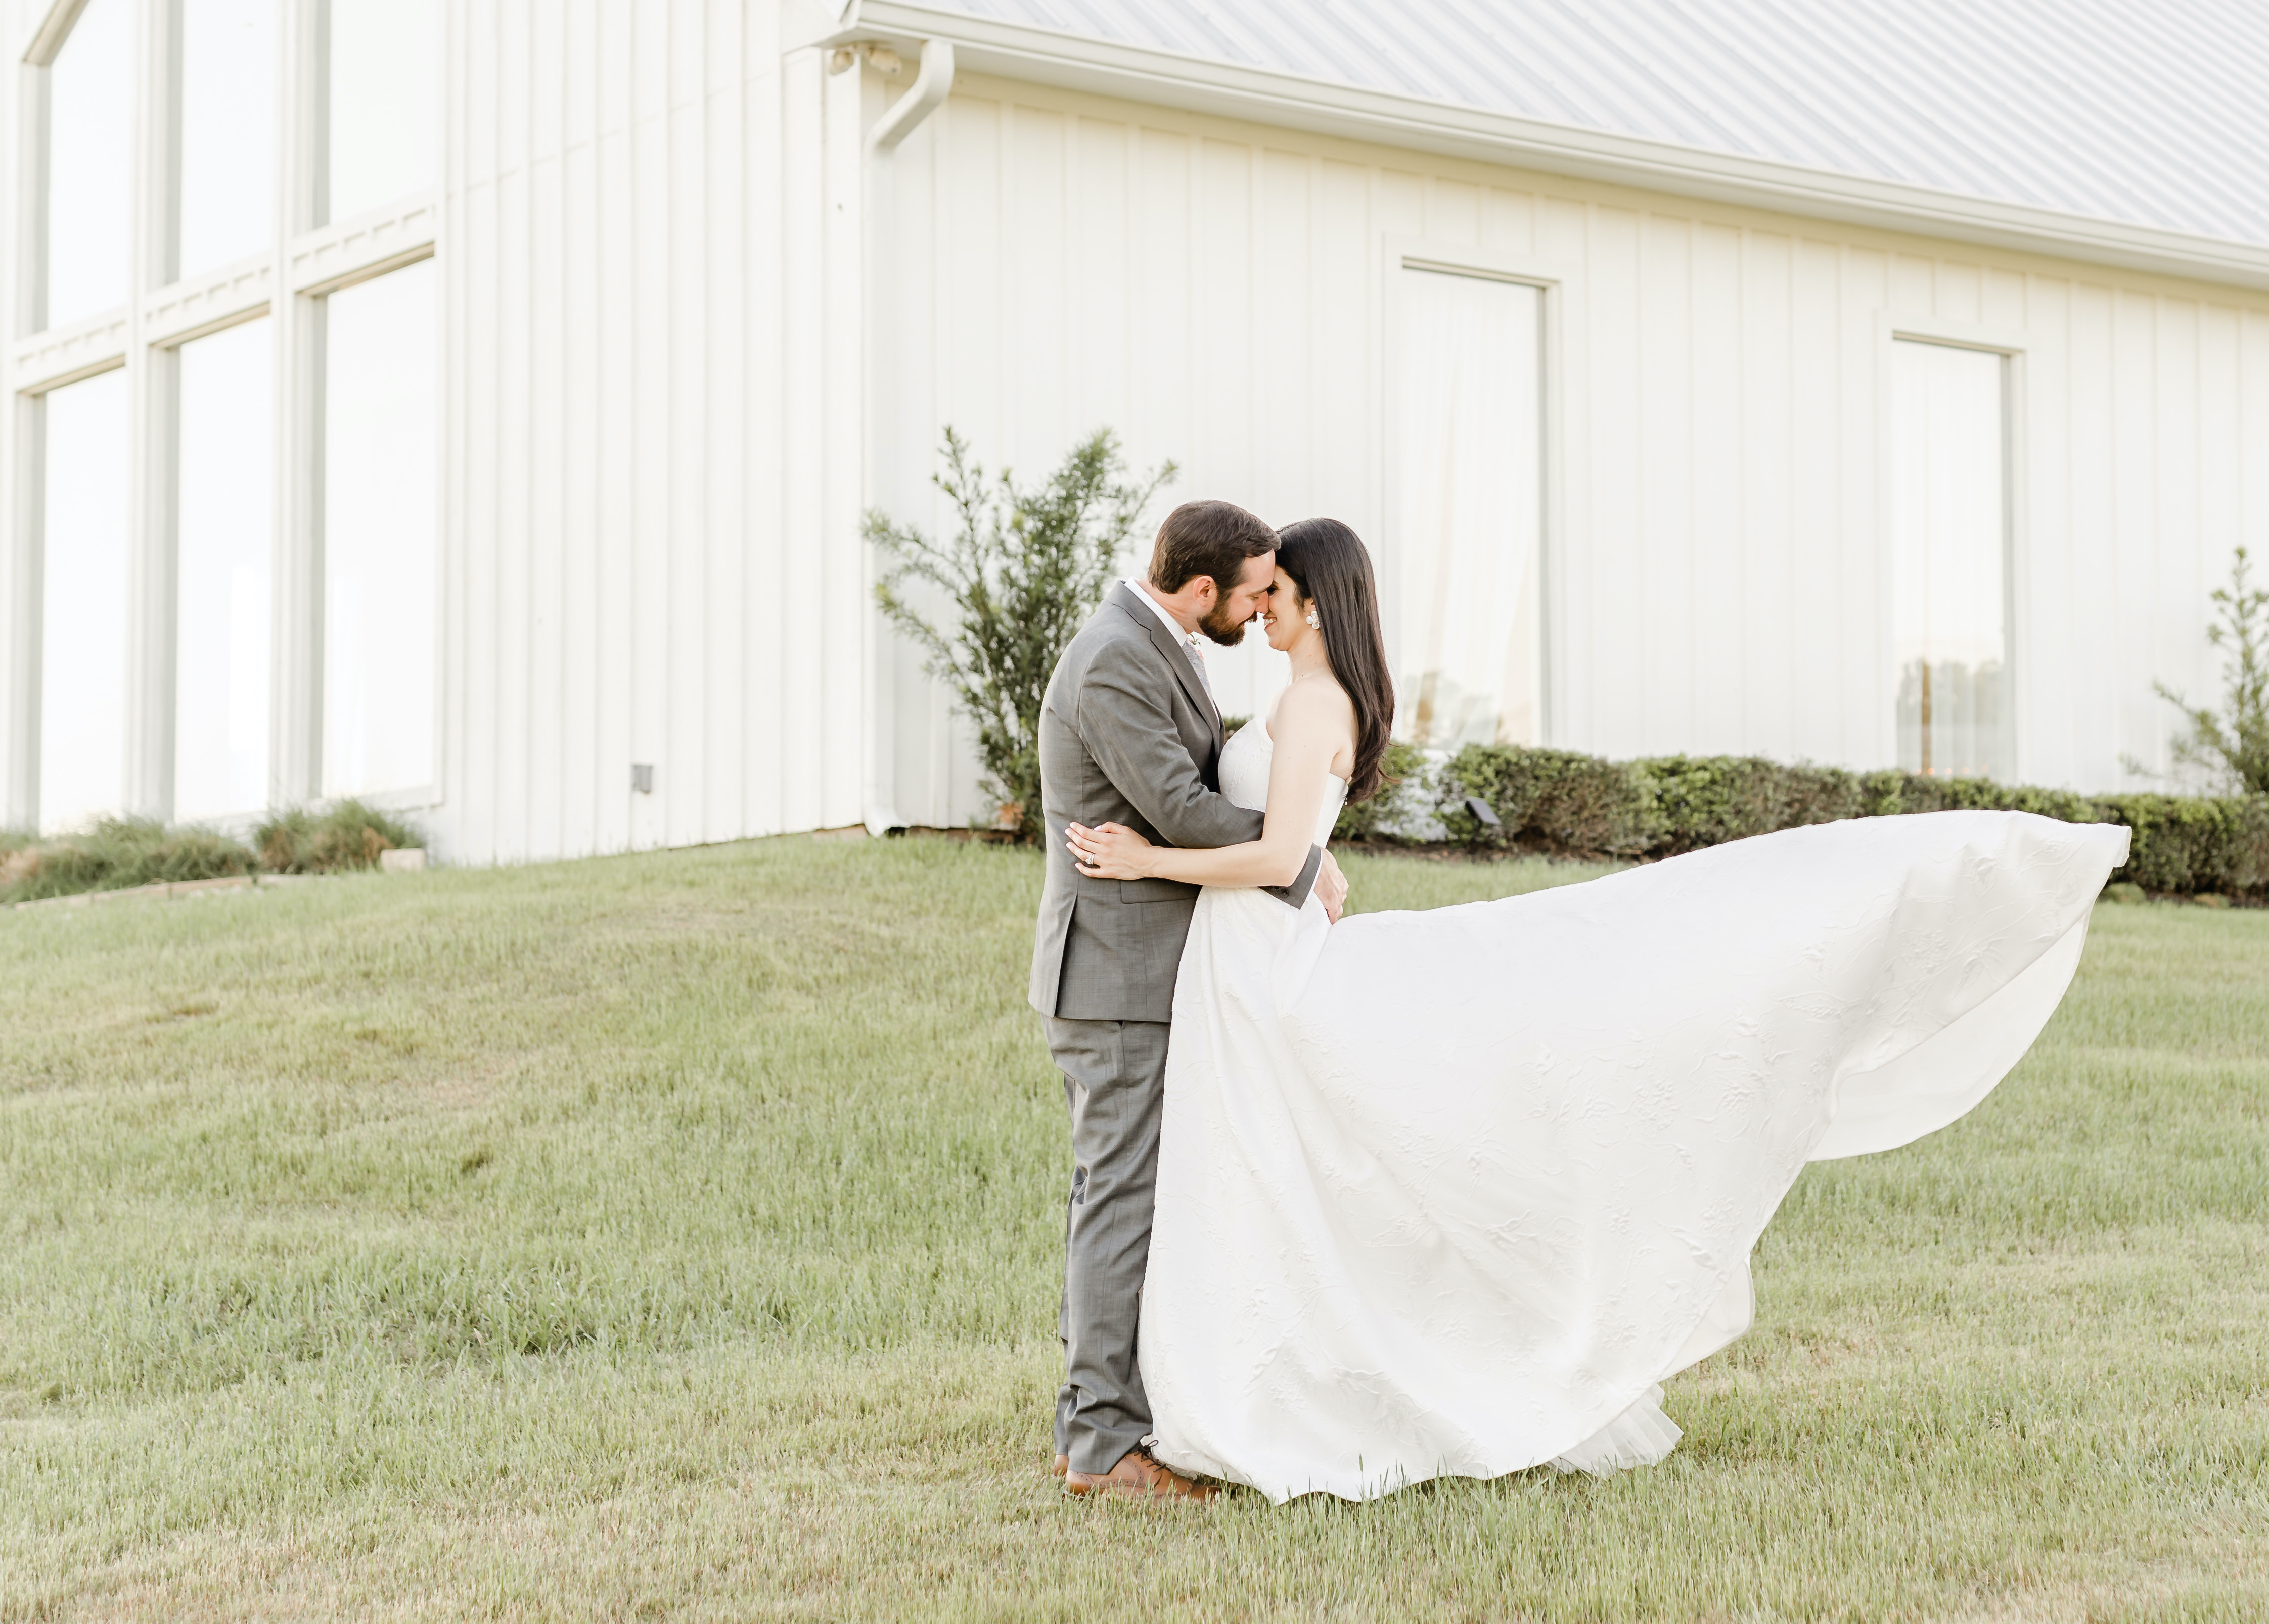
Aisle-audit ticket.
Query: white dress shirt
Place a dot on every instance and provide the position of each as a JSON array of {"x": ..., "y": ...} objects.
[{"x": 1190, "y": 641}]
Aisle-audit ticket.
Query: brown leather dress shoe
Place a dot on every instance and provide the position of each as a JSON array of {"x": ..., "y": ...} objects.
[{"x": 1139, "y": 1476}]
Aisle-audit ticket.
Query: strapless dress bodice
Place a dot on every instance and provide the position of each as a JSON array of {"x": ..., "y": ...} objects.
[{"x": 1244, "y": 764}]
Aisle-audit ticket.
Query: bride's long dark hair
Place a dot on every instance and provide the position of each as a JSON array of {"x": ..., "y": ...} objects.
[{"x": 1332, "y": 568}]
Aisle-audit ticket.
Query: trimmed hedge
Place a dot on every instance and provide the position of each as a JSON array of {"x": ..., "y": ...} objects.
[
  {"x": 1560, "y": 801},
  {"x": 1401, "y": 802}
]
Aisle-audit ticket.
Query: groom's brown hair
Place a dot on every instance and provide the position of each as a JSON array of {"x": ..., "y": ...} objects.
[{"x": 1207, "y": 538}]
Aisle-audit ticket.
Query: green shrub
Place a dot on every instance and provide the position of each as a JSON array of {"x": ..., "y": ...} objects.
[
  {"x": 1708, "y": 800},
  {"x": 1028, "y": 568},
  {"x": 1560, "y": 800},
  {"x": 2191, "y": 843},
  {"x": 1556, "y": 799},
  {"x": 117, "y": 853},
  {"x": 1399, "y": 803},
  {"x": 1910, "y": 792},
  {"x": 2234, "y": 745},
  {"x": 349, "y": 834}
]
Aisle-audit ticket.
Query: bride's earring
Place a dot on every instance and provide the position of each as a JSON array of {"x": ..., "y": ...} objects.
[{"x": 1314, "y": 624}]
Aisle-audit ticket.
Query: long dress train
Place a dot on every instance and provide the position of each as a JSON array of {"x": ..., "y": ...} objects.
[{"x": 1452, "y": 1192}]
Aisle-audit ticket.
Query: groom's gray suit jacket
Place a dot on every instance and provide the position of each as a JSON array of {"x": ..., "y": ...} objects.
[{"x": 1128, "y": 736}]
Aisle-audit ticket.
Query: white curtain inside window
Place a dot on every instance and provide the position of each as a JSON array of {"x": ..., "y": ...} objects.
[
  {"x": 83, "y": 604},
  {"x": 90, "y": 122},
  {"x": 220, "y": 727},
  {"x": 1461, "y": 568},
  {"x": 228, "y": 131},
  {"x": 384, "y": 130},
  {"x": 1949, "y": 543},
  {"x": 381, "y": 531}
]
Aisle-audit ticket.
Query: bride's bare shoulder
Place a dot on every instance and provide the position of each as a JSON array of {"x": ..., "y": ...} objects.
[{"x": 1315, "y": 703}]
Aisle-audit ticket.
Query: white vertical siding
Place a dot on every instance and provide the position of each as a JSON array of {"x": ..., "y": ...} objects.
[
  {"x": 652, "y": 470},
  {"x": 681, "y": 357},
  {"x": 1718, "y": 576}
]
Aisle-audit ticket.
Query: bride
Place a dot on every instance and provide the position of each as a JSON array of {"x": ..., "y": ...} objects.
[{"x": 1454, "y": 1193}]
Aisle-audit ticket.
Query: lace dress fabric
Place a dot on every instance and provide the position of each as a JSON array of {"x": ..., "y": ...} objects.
[{"x": 1454, "y": 1193}]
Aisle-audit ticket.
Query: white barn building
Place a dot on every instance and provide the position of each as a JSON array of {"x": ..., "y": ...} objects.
[{"x": 461, "y": 404}]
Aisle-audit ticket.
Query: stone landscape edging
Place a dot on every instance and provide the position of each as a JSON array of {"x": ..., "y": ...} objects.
[{"x": 166, "y": 891}]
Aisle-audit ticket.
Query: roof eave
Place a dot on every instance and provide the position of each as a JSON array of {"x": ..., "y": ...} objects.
[{"x": 1102, "y": 67}]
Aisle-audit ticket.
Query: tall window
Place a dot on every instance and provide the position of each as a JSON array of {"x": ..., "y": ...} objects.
[
  {"x": 381, "y": 490},
  {"x": 228, "y": 132},
  {"x": 287, "y": 663},
  {"x": 90, "y": 124},
  {"x": 222, "y": 528},
  {"x": 1462, "y": 570},
  {"x": 383, "y": 103},
  {"x": 1950, "y": 550},
  {"x": 83, "y": 603}
]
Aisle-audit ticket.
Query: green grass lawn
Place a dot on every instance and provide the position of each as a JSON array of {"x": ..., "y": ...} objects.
[{"x": 677, "y": 1236}]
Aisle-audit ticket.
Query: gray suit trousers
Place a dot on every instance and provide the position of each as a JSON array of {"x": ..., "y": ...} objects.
[{"x": 1114, "y": 1082}]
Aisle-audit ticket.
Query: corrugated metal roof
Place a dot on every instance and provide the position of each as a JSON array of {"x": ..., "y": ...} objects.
[{"x": 2149, "y": 113}]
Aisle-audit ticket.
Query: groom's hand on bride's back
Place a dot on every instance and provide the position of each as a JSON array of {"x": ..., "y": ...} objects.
[{"x": 1331, "y": 885}]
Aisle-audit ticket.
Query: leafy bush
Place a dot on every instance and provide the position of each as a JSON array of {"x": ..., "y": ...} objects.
[
  {"x": 2234, "y": 747},
  {"x": 2193, "y": 843},
  {"x": 117, "y": 853},
  {"x": 1562, "y": 801},
  {"x": 1026, "y": 570},
  {"x": 1555, "y": 799},
  {"x": 1400, "y": 802},
  {"x": 349, "y": 834},
  {"x": 1705, "y": 799}
]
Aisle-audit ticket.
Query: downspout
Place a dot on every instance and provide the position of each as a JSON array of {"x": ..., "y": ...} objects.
[{"x": 931, "y": 87}]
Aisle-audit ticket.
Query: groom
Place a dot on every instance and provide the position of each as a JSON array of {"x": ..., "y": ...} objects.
[{"x": 1130, "y": 734}]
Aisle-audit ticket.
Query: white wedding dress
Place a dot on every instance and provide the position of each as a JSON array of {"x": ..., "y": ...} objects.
[{"x": 1453, "y": 1192}]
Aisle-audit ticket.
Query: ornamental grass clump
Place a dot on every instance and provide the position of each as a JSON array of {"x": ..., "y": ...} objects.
[
  {"x": 115, "y": 854},
  {"x": 1026, "y": 568},
  {"x": 349, "y": 834}
]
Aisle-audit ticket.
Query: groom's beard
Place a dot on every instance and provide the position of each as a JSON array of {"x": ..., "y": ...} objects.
[{"x": 1218, "y": 626}]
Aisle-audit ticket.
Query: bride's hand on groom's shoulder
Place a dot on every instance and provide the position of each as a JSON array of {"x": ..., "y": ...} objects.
[{"x": 1109, "y": 851}]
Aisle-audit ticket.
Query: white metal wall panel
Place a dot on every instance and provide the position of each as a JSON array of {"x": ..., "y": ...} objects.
[
  {"x": 651, "y": 470},
  {"x": 1717, "y": 578},
  {"x": 667, "y": 401}
]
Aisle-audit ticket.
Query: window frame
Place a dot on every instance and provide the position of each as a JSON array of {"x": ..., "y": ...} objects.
[
  {"x": 303, "y": 263},
  {"x": 2014, "y": 346},
  {"x": 411, "y": 797},
  {"x": 166, "y": 363},
  {"x": 1559, "y": 286}
]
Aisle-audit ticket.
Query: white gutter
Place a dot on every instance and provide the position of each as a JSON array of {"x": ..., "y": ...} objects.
[
  {"x": 1135, "y": 73},
  {"x": 931, "y": 87}
]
